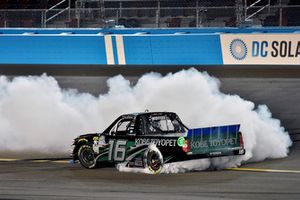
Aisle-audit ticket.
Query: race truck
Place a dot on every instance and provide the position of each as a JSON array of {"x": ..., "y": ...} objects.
[{"x": 151, "y": 139}]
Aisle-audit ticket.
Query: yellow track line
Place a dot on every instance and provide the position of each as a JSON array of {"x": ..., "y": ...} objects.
[
  {"x": 40, "y": 161},
  {"x": 8, "y": 159},
  {"x": 264, "y": 170},
  {"x": 34, "y": 161},
  {"x": 61, "y": 161}
]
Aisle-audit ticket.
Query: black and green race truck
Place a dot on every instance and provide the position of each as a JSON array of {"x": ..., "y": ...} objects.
[{"x": 151, "y": 139}]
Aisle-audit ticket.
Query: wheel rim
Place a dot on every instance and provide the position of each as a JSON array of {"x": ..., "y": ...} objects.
[
  {"x": 87, "y": 156},
  {"x": 154, "y": 161}
]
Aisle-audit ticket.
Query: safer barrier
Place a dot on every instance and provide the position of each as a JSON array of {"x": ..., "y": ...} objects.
[
  {"x": 51, "y": 49},
  {"x": 151, "y": 46}
]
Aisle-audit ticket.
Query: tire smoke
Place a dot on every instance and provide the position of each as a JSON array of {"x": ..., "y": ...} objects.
[{"x": 36, "y": 115}]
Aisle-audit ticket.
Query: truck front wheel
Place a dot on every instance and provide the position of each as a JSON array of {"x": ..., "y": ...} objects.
[{"x": 86, "y": 157}]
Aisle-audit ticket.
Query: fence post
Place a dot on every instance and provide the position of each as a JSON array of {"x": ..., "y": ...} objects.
[
  {"x": 69, "y": 10},
  {"x": 117, "y": 18},
  {"x": 78, "y": 18},
  {"x": 121, "y": 6},
  {"x": 245, "y": 11},
  {"x": 157, "y": 20},
  {"x": 280, "y": 13},
  {"x": 239, "y": 12},
  {"x": 197, "y": 13},
  {"x": 42, "y": 20}
]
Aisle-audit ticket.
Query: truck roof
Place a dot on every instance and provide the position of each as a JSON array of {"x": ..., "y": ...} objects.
[{"x": 147, "y": 113}]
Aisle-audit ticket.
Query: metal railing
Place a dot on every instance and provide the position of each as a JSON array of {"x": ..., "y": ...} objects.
[
  {"x": 248, "y": 17},
  {"x": 46, "y": 18},
  {"x": 199, "y": 16}
]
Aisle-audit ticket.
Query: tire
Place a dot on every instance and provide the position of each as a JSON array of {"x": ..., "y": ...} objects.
[
  {"x": 154, "y": 160},
  {"x": 86, "y": 157}
]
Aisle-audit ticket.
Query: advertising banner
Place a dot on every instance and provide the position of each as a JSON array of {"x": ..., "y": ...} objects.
[{"x": 261, "y": 49}]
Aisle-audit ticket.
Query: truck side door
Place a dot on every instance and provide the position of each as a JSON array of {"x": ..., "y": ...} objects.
[{"x": 119, "y": 139}]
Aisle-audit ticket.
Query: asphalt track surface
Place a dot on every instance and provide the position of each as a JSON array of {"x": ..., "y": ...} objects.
[
  {"x": 277, "y": 87},
  {"x": 60, "y": 180}
]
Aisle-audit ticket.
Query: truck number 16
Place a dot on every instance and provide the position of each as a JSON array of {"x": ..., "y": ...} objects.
[{"x": 117, "y": 150}]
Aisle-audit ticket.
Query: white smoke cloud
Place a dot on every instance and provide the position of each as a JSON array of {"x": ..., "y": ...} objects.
[{"x": 37, "y": 115}]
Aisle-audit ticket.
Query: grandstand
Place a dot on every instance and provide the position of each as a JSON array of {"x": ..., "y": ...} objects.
[{"x": 148, "y": 13}]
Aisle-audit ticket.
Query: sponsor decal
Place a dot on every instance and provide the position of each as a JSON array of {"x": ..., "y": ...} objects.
[
  {"x": 95, "y": 138},
  {"x": 261, "y": 48},
  {"x": 223, "y": 142},
  {"x": 276, "y": 49},
  {"x": 213, "y": 143},
  {"x": 199, "y": 144},
  {"x": 238, "y": 49},
  {"x": 180, "y": 141},
  {"x": 157, "y": 142}
]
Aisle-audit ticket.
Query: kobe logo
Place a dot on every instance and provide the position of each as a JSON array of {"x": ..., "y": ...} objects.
[{"x": 238, "y": 49}]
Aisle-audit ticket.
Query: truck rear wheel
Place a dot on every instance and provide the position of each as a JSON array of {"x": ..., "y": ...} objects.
[
  {"x": 154, "y": 160},
  {"x": 86, "y": 157}
]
